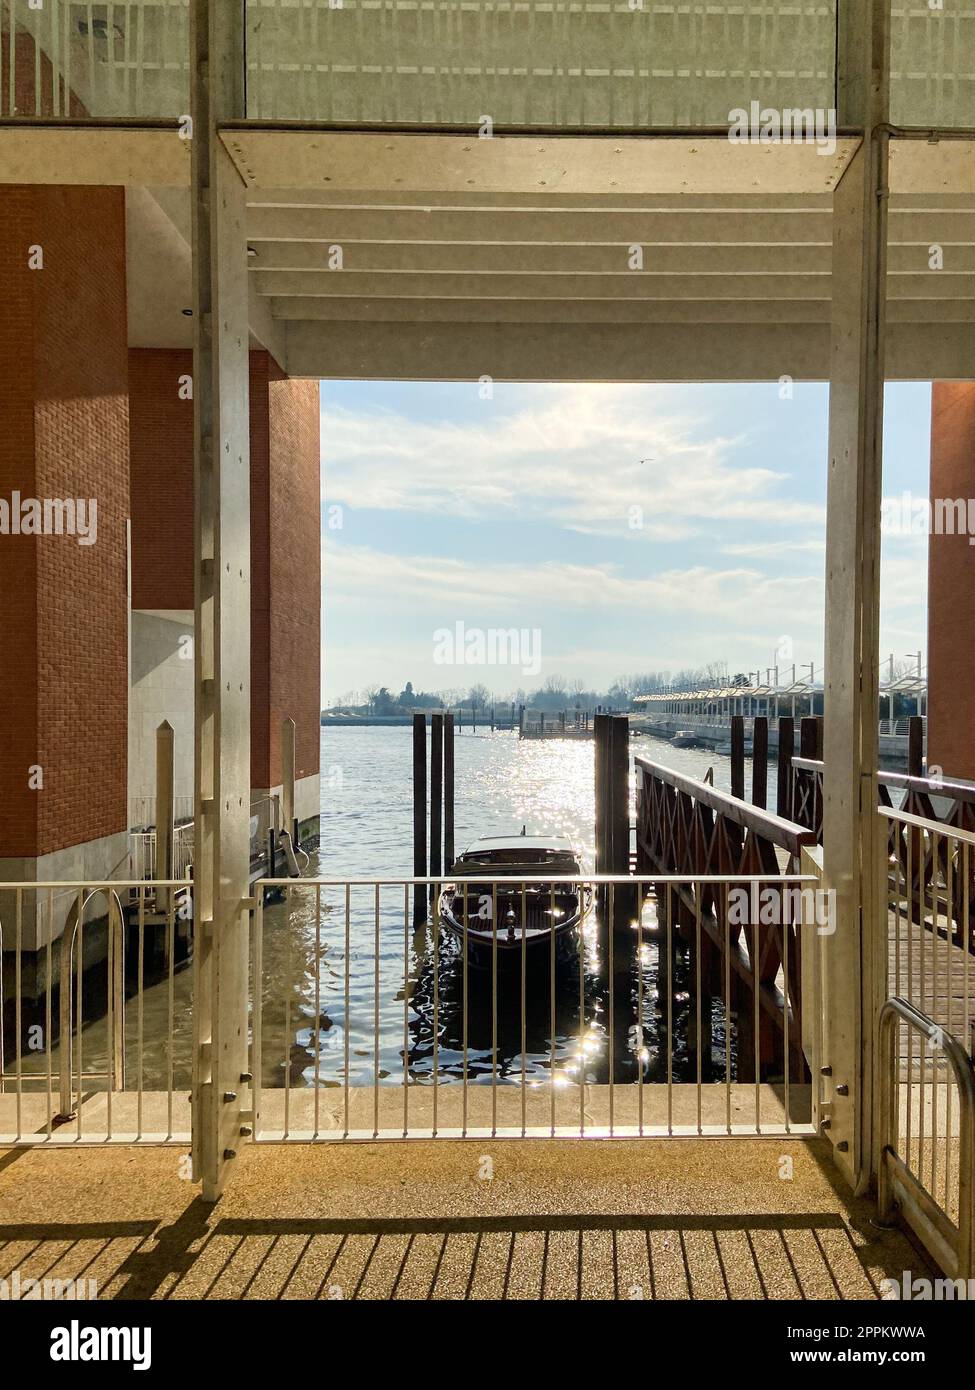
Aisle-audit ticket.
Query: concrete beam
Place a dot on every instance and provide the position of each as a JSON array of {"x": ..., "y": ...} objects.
[
  {"x": 588, "y": 349},
  {"x": 507, "y": 165}
]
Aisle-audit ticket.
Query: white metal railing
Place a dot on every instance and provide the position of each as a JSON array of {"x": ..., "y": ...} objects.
[
  {"x": 370, "y": 1019},
  {"x": 374, "y": 1019},
  {"x": 142, "y": 852},
  {"x": 98, "y": 1043},
  {"x": 931, "y": 918},
  {"x": 927, "y": 1160}
]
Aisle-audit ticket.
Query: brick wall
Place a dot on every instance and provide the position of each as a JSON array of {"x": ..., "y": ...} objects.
[
  {"x": 285, "y": 537},
  {"x": 161, "y": 456},
  {"x": 63, "y": 378},
  {"x": 951, "y": 587},
  {"x": 286, "y": 570}
]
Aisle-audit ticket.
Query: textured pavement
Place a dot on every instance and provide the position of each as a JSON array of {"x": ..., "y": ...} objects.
[{"x": 702, "y": 1219}]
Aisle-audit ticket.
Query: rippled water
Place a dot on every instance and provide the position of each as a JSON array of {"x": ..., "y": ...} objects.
[
  {"x": 330, "y": 1016},
  {"x": 315, "y": 1029}
]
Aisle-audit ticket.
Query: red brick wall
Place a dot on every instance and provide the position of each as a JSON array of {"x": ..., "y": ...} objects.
[
  {"x": 286, "y": 570},
  {"x": 951, "y": 587},
  {"x": 161, "y": 458},
  {"x": 285, "y": 537},
  {"x": 63, "y": 367}
]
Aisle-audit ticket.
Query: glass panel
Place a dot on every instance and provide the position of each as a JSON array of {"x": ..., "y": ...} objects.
[
  {"x": 932, "y": 63},
  {"x": 72, "y": 58},
  {"x": 536, "y": 63}
]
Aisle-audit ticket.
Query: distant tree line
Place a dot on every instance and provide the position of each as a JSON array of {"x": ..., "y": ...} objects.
[{"x": 556, "y": 693}]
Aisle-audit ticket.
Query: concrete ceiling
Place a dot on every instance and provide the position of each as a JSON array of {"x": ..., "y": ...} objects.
[{"x": 510, "y": 257}]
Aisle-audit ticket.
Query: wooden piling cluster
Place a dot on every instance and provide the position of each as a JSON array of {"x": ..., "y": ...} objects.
[
  {"x": 810, "y": 746},
  {"x": 432, "y": 856}
]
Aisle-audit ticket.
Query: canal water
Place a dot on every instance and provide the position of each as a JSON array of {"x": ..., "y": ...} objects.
[
  {"x": 331, "y": 1017},
  {"x": 317, "y": 1031}
]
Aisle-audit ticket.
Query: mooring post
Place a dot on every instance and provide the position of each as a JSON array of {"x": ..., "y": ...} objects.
[
  {"x": 448, "y": 791},
  {"x": 760, "y": 761},
  {"x": 436, "y": 796},
  {"x": 521, "y": 721},
  {"x": 419, "y": 813},
  {"x": 738, "y": 756},
  {"x": 783, "y": 791}
]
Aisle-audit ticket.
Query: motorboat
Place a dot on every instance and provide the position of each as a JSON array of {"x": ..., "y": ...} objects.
[{"x": 510, "y": 921}]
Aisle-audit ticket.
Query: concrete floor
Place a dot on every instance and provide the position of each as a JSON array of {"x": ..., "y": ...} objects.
[{"x": 702, "y": 1219}]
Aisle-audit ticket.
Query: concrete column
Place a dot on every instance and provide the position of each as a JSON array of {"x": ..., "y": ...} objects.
[
  {"x": 63, "y": 548},
  {"x": 854, "y": 956},
  {"x": 951, "y": 585},
  {"x": 222, "y": 580}
]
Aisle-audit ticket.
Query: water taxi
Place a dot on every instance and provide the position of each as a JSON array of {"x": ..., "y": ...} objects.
[{"x": 512, "y": 920}]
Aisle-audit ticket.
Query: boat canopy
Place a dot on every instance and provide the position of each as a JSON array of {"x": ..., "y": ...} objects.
[{"x": 526, "y": 853}]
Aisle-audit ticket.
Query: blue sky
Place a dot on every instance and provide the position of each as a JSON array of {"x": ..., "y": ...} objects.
[{"x": 632, "y": 527}]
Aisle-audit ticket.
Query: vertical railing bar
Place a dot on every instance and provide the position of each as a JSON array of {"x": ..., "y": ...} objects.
[
  {"x": 436, "y": 1007},
  {"x": 110, "y": 1015},
  {"x": 289, "y": 986},
  {"x": 610, "y": 932},
  {"x": 700, "y": 1059},
  {"x": 909, "y": 875},
  {"x": 49, "y": 1002},
  {"x": 318, "y": 1007},
  {"x": 348, "y": 969},
  {"x": 127, "y": 60},
  {"x": 935, "y": 1052},
  {"x": 67, "y": 57},
  {"x": 524, "y": 1013},
  {"x": 37, "y": 78},
  {"x": 406, "y": 1009},
  {"x": 494, "y": 1009},
  {"x": 375, "y": 1018},
  {"x": 670, "y": 1006},
  {"x": 257, "y": 1040},
  {"x": 140, "y": 1010},
  {"x": 756, "y": 1025},
  {"x": 79, "y": 1000},
  {"x": 787, "y": 1046},
  {"x": 12, "y": 64},
  {"x": 170, "y": 901},
  {"x": 727, "y": 1008},
  {"x": 464, "y": 1018},
  {"x": 18, "y": 990},
  {"x": 92, "y": 98},
  {"x": 551, "y": 1064},
  {"x": 949, "y": 981},
  {"x": 582, "y": 1016},
  {"x": 640, "y": 1040}
]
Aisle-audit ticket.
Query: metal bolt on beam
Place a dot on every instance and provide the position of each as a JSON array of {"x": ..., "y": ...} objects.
[{"x": 228, "y": 1096}]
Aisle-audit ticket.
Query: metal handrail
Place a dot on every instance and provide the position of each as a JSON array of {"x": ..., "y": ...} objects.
[
  {"x": 958, "y": 1241},
  {"x": 115, "y": 1059}
]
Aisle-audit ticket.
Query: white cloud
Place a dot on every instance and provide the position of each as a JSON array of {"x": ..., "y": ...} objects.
[{"x": 578, "y": 457}]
